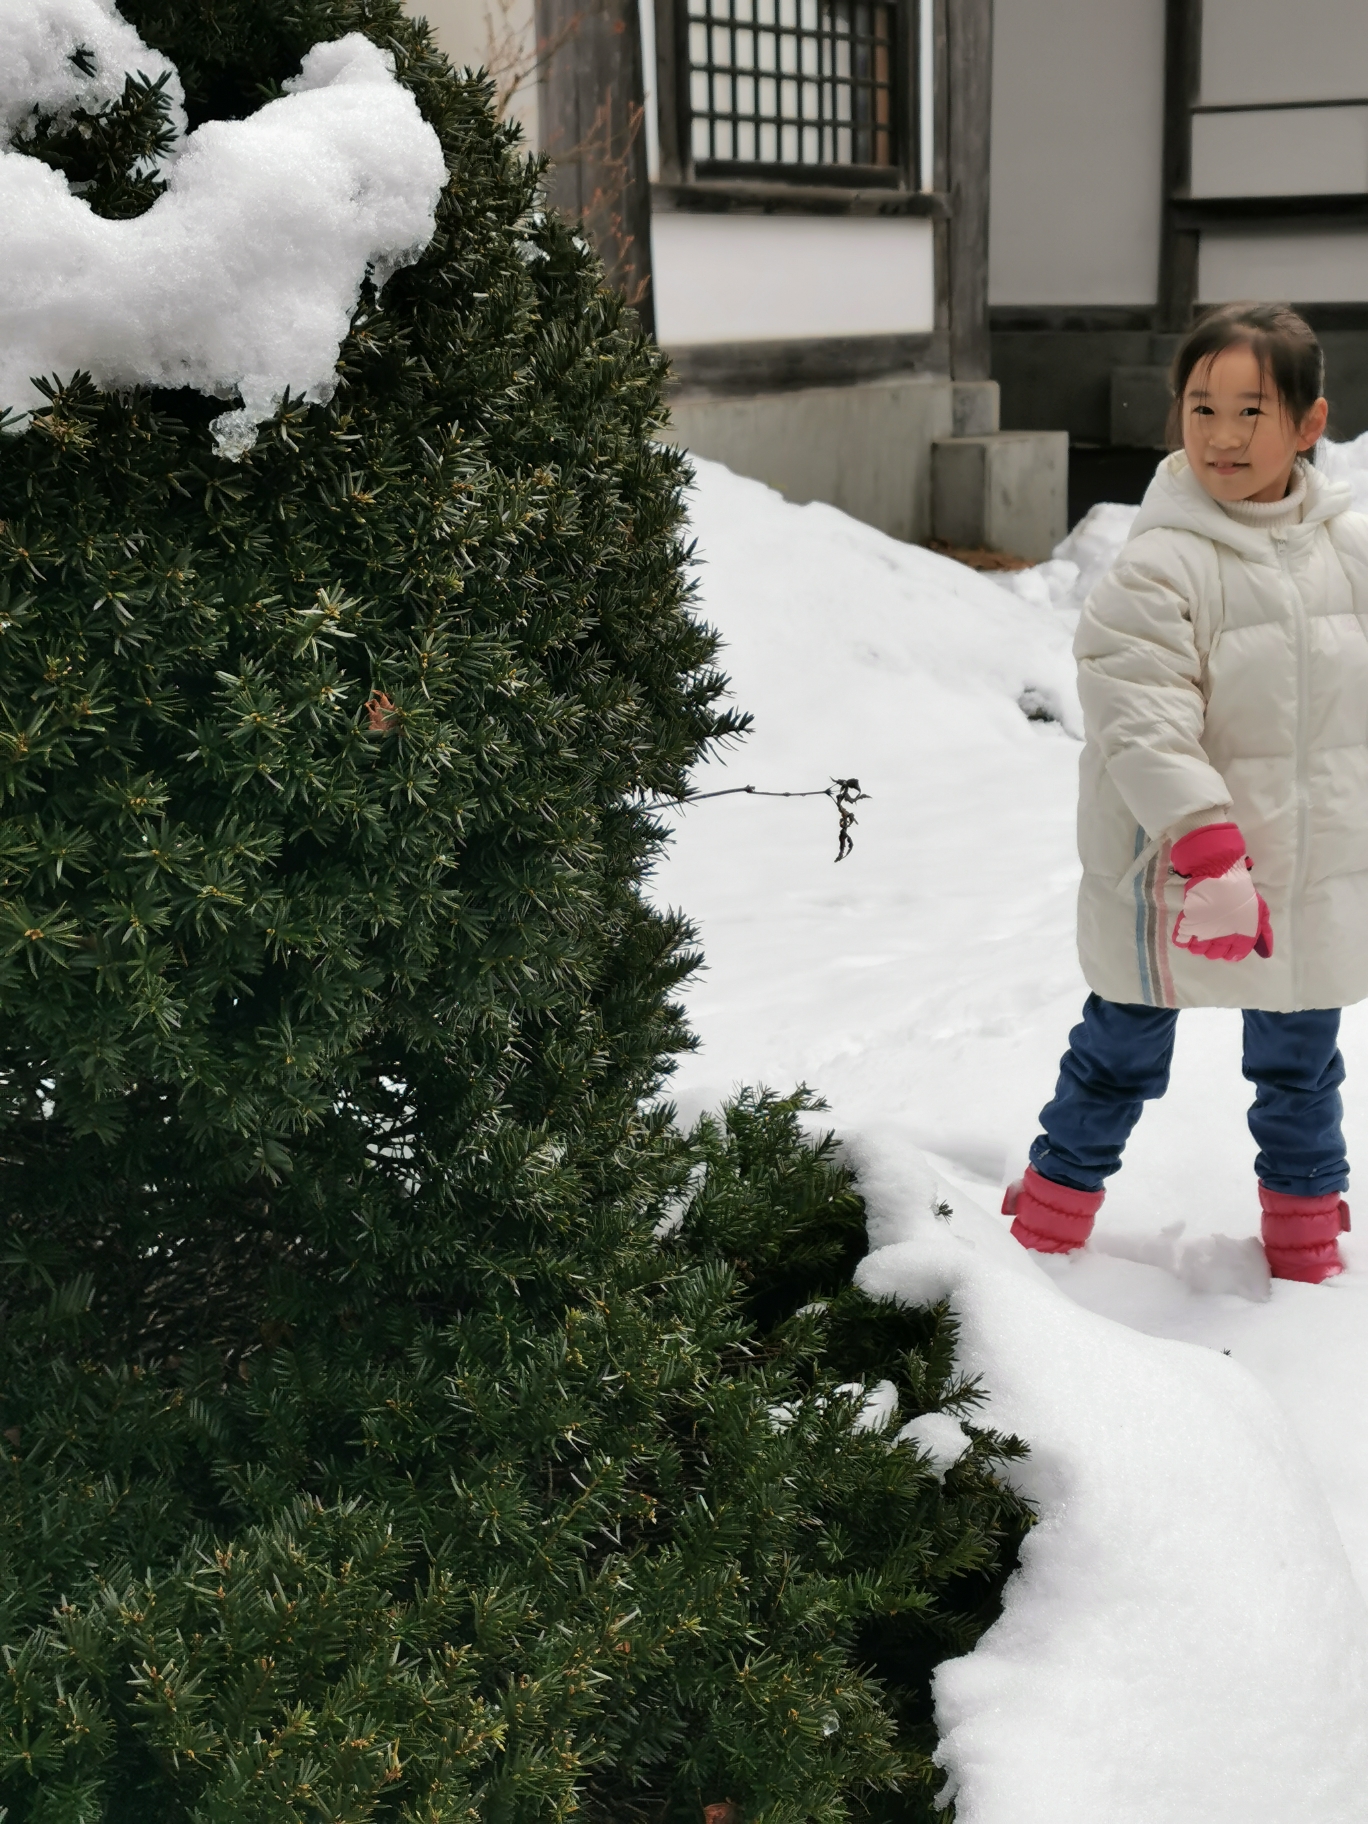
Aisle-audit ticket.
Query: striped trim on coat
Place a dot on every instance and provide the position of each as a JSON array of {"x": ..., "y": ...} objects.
[{"x": 1152, "y": 926}]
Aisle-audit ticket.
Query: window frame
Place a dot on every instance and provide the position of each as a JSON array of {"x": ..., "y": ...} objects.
[{"x": 822, "y": 185}]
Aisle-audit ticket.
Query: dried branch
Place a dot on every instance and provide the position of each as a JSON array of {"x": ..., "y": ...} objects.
[
  {"x": 845, "y": 794},
  {"x": 510, "y": 59},
  {"x": 604, "y": 212}
]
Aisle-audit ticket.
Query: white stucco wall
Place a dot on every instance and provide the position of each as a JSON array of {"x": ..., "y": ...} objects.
[
  {"x": 1280, "y": 151},
  {"x": 1284, "y": 50},
  {"x": 1078, "y": 112},
  {"x": 745, "y": 278},
  {"x": 1302, "y": 268}
]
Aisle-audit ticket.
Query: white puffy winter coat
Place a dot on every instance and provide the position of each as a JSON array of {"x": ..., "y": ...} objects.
[{"x": 1224, "y": 674}]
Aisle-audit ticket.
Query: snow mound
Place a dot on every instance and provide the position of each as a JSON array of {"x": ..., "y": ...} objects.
[
  {"x": 939, "y": 1437},
  {"x": 895, "y": 621},
  {"x": 1184, "y": 1639},
  {"x": 243, "y": 277},
  {"x": 1067, "y": 577},
  {"x": 57, "y": 56},
  {"x": 1347, "y": 462}
]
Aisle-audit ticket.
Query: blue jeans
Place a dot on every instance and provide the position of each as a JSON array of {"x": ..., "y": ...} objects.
[{"x": 1119, "y": 1057}]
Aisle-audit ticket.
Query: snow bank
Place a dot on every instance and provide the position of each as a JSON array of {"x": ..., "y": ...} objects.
[
  {"x": 1347, "y": 462},
  {"x": 1065, "y": 580},
  {"x": 242, "y": 278},
  {"x": 1185, "y": 1641},
  {"x": 864, "y": 614}
]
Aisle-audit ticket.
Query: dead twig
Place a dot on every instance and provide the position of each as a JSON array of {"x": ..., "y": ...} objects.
[
  {"x": 509, "y": 59},
  {"x": 845, "y": 794}
]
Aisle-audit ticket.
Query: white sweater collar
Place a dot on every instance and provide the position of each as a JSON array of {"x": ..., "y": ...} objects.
[{"x": 1266, "y": 514}]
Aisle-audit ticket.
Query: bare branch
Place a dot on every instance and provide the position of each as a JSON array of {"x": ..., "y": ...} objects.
[{"x": 845, "y": 794}]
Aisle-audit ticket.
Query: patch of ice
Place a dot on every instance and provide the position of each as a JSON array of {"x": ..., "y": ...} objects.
[
  {"x": 939, "y": 1437},
  {"x": 243, "y": 277}
]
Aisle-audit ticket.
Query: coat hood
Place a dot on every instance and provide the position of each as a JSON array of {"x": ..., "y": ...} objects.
[{"x": 1177, "y": 501}]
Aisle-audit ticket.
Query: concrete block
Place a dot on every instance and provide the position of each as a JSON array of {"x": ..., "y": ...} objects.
[
  {"x": 977, "y": 408},
  {"x": 1008, "y": 491},
  {"x": 863, "y": 448},
  {"x": 1140, "y": 407}
]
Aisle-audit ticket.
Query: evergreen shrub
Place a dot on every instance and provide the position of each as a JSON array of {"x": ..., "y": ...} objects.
[{"x": 400, "y": 1421}]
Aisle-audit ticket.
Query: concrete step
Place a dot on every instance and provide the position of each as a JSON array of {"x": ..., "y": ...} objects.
[{"x": 1004, "y": 490}]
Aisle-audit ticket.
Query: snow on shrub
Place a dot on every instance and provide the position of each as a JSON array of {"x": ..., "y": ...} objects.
[
  {"x": 61, "y": 57},
  {"x": 242, "y": 277}
]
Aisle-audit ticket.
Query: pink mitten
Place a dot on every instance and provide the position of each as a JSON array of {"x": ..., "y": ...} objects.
[{"x": 1223, "y": 917}]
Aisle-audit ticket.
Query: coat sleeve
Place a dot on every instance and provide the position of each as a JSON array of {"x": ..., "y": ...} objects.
[{"x": 1140, "y": 681}]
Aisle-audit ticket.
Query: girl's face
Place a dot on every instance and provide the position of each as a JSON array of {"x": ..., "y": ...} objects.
[{"x": 1236, "y": 432}]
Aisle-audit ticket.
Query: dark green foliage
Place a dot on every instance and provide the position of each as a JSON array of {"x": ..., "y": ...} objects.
[
  {"x": 785, "y": 1216},
  {"x": 109, "y": 158},
  {"x": 367, "y": 1457},
  {"x": 621, "y": 1565}
]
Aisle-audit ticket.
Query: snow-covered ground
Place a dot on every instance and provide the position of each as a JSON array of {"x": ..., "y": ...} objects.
[{"x": 1188, "y": 1638}]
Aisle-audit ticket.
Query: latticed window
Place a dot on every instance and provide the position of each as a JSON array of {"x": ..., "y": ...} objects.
[{"x": 799, "y": 83}]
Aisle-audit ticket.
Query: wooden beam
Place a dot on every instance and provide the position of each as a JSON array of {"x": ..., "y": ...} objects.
[
  {"x": 723, "y": 196},
  {"x": 1339, "y": 209},
  {"x": 1179, "y": 241},
  {"x": 969, "y": 102},
  {"x": 729, "y": 369},
  {"x": 940, "y": 157},
  {"x": 594, "y": 130},
  {"x": 672, "y": 89}
]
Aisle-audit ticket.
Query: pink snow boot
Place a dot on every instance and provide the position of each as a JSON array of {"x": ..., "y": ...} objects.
[
  {"x": 1051, "y": 1218},
  {"x": 1301, "y": 1234}
]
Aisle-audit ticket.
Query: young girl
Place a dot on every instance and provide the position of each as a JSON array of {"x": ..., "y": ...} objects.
[{"x": 1223, "y": 813}]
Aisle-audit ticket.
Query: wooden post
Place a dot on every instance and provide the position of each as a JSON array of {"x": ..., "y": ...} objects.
[
  {"x": 594, "y": 130},
  {"x": 1178, "y": 246},
  {"x": 969, "y": 98},
  {"x": 940, "y": 157}
]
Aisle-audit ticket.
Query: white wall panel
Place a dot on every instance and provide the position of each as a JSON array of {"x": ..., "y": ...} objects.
[
  {"x": 1078, "y": 112},
  {"x": 1297, "y": 268},
  {"x": 646, "y": 15},
  {"x": 747, "y": 278},
  {"x": 1280, "y": 152},
  {"x": 1284, "y": 50}
]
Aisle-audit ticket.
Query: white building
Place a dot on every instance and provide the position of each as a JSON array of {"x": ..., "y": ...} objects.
[{"x": 866, "y": 216}]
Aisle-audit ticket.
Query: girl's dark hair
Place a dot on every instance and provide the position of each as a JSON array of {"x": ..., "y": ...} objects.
[{"x": 1290, "y": 360}]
